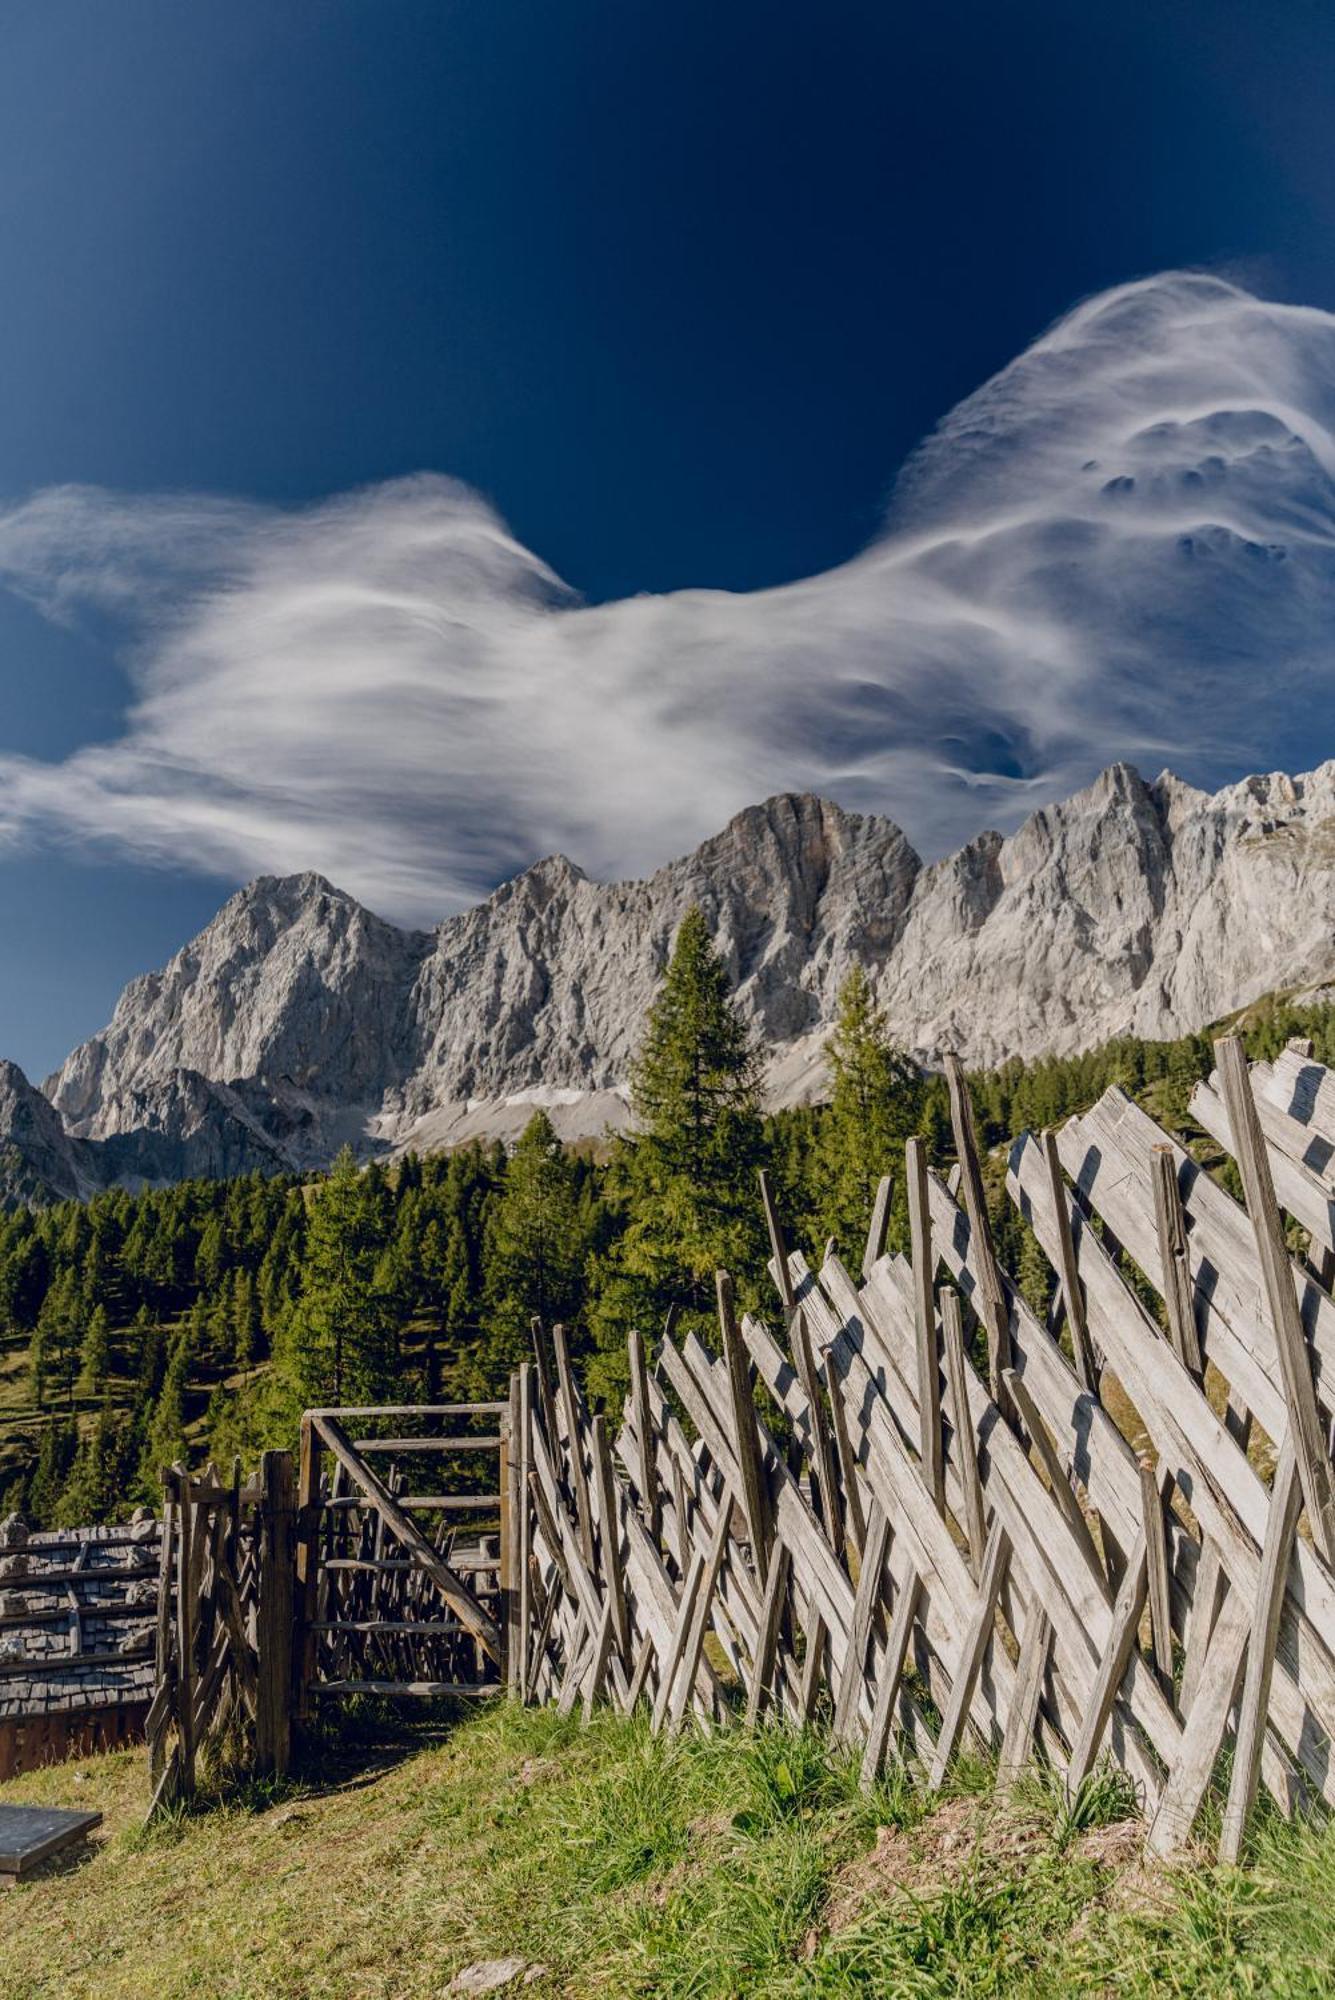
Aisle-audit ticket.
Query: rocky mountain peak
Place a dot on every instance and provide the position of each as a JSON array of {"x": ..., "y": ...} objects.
[{"x": 297, "y": 1018}]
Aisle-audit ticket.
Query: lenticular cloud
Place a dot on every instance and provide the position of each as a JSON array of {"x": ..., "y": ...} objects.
[{"x": 1122, "y": 546}]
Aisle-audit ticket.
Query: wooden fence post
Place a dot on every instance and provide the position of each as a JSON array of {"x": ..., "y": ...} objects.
[
  {"x": 931, "y": 1460},
  {"x": 275, "y": 1625},
  {"x": 755, "y": 1493},
  {"x": 306, "y": 1598},
  {"x": 991, "y": 1298},
  {"x": 1295, "y": 1361}
]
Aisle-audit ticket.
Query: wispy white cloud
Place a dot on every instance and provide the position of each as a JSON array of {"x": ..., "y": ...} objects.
[{"x": 1122, "y": 546}]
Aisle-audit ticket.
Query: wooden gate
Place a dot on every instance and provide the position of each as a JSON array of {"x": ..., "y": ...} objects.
[{"x": 402, "y": 1556}]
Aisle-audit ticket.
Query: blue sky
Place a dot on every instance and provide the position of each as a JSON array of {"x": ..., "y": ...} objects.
[{"x": 664, "y": 297}]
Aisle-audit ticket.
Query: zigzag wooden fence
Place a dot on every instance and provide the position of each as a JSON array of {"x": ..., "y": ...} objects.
[{"x": 913, "y": 1503}]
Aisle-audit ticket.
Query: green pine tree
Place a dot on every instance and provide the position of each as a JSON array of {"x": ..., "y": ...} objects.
[
  {"x": 166, "y": 1442},
  {"x": 55, "y": 1456},
  {"x": 337, "y": 1344},
  {"x": 536, "y": 1245},
  {"x": 95, "y": 1354},
  {"x": 685, "y": 1179},
  {"x": 875, "y": 1105}
]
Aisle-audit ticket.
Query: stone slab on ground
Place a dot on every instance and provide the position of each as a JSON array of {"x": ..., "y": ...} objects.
[{"x": 30, "y": 1835}]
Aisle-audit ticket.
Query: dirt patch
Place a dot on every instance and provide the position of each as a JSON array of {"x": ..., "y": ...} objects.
[
  {"x": 964, "y": 1835},
  {"x": 917, "y": 1861}
]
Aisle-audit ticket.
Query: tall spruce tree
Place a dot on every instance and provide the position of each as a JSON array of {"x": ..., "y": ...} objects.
[
  {"x": 337, "y": 1344},
  {"x": 95, "y": 1353},
  {"x": 685, "y": 1178},
  {"x": 876, "y": 1103},
  {"x": 537, "y": 1245}
]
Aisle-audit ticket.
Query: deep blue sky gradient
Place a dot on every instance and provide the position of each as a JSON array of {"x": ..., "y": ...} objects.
[{"x": 677, "y": 286}]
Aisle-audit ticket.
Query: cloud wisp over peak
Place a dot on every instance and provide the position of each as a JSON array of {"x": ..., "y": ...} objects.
[{"x": 1121, "y": 546}]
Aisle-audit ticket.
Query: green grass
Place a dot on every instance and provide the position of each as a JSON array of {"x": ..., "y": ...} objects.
[{"x": 626, "y": 1865}]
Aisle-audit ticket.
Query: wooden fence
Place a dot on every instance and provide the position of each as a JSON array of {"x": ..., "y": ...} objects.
[
  {"x": 225, "y": 1632},
  {"x": 400, "y": 1551},
  {"x": 905, "y": 1501},
  {"x": 912, "y": 1503}
]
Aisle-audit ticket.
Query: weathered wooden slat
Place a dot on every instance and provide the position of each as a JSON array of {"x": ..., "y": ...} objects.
[
  {"x": 644, "y": 1472},
  {"x": 924, "y": 1322},
  {"x": 991, "y": 1304},
  {"x": 571, "y": 1414},
  {"x": 890, "y": 1682},
  {"x": 401, "y": 1446},
  {"x": 1304, "y": 1428},
  {"x": 1212, "y": 1471},
  {"x": 771, "y": 1614},
  {"x": 1052, "y": 1465},
  {"x": 879, "y": 1226},
  {"x": 818, "y": 1438},
  {"x": 1018, "y": 1741},
  {"x": 754, "y": 1497},
  {"x": 1175, "y": 1287},
  {"x": 1253, "y": 1708},
  {"x": 1156, "y": 1568},
  {"x": 609, "y": 1537},
  {"x": 1206, "y": 1723},
  {"x": 871, "y": 1583},
  {"x": 979, "y": 1636},
  {"x": 1072, "y": 1292},
  {"x": 964, "y": 1443}
]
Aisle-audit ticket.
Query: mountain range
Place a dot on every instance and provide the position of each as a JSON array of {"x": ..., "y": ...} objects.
[{"x": 298, "y": 1020}]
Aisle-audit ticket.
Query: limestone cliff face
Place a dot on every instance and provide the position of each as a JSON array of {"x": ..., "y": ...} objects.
[{"x": 297, "y": 1019}]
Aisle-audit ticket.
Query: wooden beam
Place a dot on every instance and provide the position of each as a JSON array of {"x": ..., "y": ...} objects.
[
  {"x": 871, "y": 1583},
  {"x": 1175, "y": 1286},
  {"x": 609, "y": 1532},
  {"x": 570, "y": 1410},
  {"x": 777, "y": 1247},
  {"x": 1022, "y": 1716},
  {"x": 818, "y": 1441},
  {"x": 965, "y": 1443},
  {"x": 646, "y": 1473},
  {"x": 754, "y": 1494},
  {"x": 888, "y": 1686},
  {"x": 1156, "y": 1560},
  {"x": 1111, "y": 1669},
  {"x": 1072, "y": 1291},
  {"x": 274, "y": 1621},
  {"x": 1285, "y": 1505},
  {"x": 924, "y": 1323},
  {"x": 767, "y": 1641},
  {"x": 1062, "y": 1490},
  {"x": 1305, "y": 1434},
  {"x": 451, "y": 1586},
  {"x": 991, "y": 1299},
  {"x": 977, "y": 1638},
  {"x": 879, "y": 1227},
  {"x": 1205, "y": 1727}
]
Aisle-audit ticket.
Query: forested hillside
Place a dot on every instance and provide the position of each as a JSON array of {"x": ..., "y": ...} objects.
[{"x": 202, "y": 1318}]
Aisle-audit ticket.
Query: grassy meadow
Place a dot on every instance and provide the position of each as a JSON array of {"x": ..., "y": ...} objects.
[{"x": 622, "y": 1864}]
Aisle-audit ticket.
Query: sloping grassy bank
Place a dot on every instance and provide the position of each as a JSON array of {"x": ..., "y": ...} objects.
[{"x": 625, "y": 1865}]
